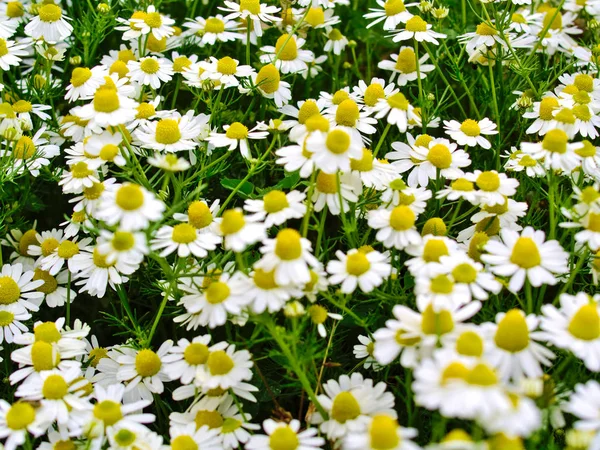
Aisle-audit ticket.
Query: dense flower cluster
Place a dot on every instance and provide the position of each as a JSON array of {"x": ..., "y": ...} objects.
[{"x": 299, "y": 225}]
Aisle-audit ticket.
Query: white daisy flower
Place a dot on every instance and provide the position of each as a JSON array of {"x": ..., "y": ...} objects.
[
  {"x": 212, "y": 29},
  {"x": 49, "y": 24},
  {"x": 150, "y": 71},
  {"x": 390, "y": 12},
  {"x": 11, "y": 322},
  {"x": 31, "y": 153},
  {"x": 287, "y": 55},
  {"x": 185, "y": 239},
  {"x": 525, "y": 255},
  {"x": 253, "y": 12},
  {"x": 332, "y": 151},
  {"x": 404, "y": 64},
  {"x": 493, "y": 187},
  {"x": 153, "y": 22},
  {"x": 171, "y": 134},
  {"x": 18, "y": 289},
  {"x": 191, "y": 436},
  {"x": 276, "y": 207},
  {"x": 108, "y": 108},
  {"x": 396, "y": 227},
  {"x": 224, "y": 72},
  {"x": 336, "y": 41},
  {"x": 169, "y": 162},
  {"x": 363, "y": 267},
  {"x": 330, "y": 187},
  {"x": 285, "y": 435},
  {"x": 420, "y": 30},
  {"x": 225, "y": 369},
  {"x": 84, "y": 82},
  {"x": 364, "y": 351},
  {"x": 269, "y": 84},
  {"x": 240, "y": 231},
  {"x": 237, "y": 134},
  {"x": 383, "y": 430},
  {"x": 17, "y": 421},
  {"x": 184, "y": 359},
  {"x": 471, "y": 132},
  {"x": 554, "y": 151}
]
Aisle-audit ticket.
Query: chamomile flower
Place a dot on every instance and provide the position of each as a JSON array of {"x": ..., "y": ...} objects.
[
  {"x": 108, "y": 108},
  {"x": 371, "y": 93},
  {"x": 129, "y": 205},
  {"x": 404, "y": 64},
  {"x": 554, "y": 151},
  {"x": 169, "y": 162},
  {"x": 16, "y": 421},
  {"x": 49, "y": 24},
  {"x": 18, "y": 289},
  {"x": 336, "y": 41},
  {"x": 151, "y": 21},
  {"x": 525, "y": 255},
  {"x": 192, "y": 436},
  {"x": 372, "y": 172},
  {"x": 363, "y": 267},
  {"x": 493, "y": 187},
  {"x": 212, "y": 29},
  {"x": 396, "y": 227},
  {"x": 253, "y": 12},
  {"x": 383, "y": 430},
  {"x": 184, "y": 238},
  {"x": 364, "y": 351},
  {"x": 439, "y": 157},
  {"x": 471, "y": 132},
  {"x": 171, "y": 134},
  {"x": 276, "y": 207},
  {"x": 330, "y": 187},
  {"x": 398, "y": 110},
  {"x": 150, "y": 71},
  {"x": 95, "y": 273},
  {"x": 287, "y": 54},
  {"x": 269, "y": 84},
  {"x": 224, "y": 72},
  {"x": 225, "y": 369},
  {"x": 84, "y": 82},
  {"x": 237, "y": 134},
  {"x": 416, "y": 28},
  {"x": 240, "y": 231},
  {"x": 332, "y": 151},
  {"x": 11, "y": 52},
  {"x": 281, "y": 434},
  {"x": 11, "y": 322},
  {"x": 390, "y": 12},
  {"x": 31, "y": 153},
  {"x": 289, "y": 255},
  {"x": 183, "y": 359},
  {"x": 470, "y": 273}
]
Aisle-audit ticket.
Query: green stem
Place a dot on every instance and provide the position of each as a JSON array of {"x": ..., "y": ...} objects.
[
  {"x": 420, "y": 85},
  {"x": 381, "y": 139},
  {"x": 309, "y": 205},
  {"x": 68, "y": 312}
]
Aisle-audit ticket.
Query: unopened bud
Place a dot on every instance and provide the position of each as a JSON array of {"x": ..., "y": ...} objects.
[
  {"x": 75, "y": 60},
  {"x": 103, "y": 8},
  {"x": 347, "y": 65},
  {"x": 39, "y": 81},
  {"x": 352, "y": 43}
]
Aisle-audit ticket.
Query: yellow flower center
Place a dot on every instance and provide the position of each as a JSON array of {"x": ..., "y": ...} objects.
[
  {"x": 6, "y": 318},
  {"x": 308, "y": 109},
  {"x": 219, "y": 363},
  {"x": 153, "y": 20},
  {"x": 55, "y": 387},
  {"x": 406, "y": 341},
  {"x": 284, "y": 438},
  {"x": 582, "y": 112},
  {"x": 24, "y": 148},
  {"x": 470, "y": 127},
  {"x": 547, "y": 106},
  {"x": 214, "y": 25},
  {"x": 286, "y": 47},
  {"x": 441, "y": 284},
  {"x": 384, "y": 433},
  {"x": 327, "y": 183},
  {"x": 67, "y": 249},
  {"x": 46, "y": 332},
  {"x": 14, "y": 9},
  {"x": 100, "y": 260},
  {"x": 80, "y": 170},
  {"x": 345, "y": 407},
  {"x": 147, "y": 363},
  {"x": 588, "y": 150},
  {"x": 482, "y": 375},
  {"x": 268, "y": 79},
  {"x": 130, "y": 197},
  {"x": 50, "y": 13},
  {"x": 488, "y": 181},
  {"x": 518, "y": 18},
  {"x": 402, "y": 218},
  {"x": 340, "y": 96},
  {"x": 28, "y": 238},
  {"x": 150, "y": 66},
  {"x": 464, "y": 273},
  {"x": 181, "y": 63},
  {"x": 453, "y": 372},
  {"x": 199, "y": 214},
  {"x": 20, "y": 416},
  {"x": 462, "y": 184},
  {"x": 393, "y": 7},
  {"x": 64, "y": 445},
  {"x": 484, "y": 29},
  {"x": 156, "y": 45},
  {"x": 265, "y": 280},
  {"x": 120, "y": 68},
  {"x": 80, "y": 75},
  {"x": 527, "y": 161},
  {"x": 585, "y": 323},
  {"x": 589, "y": 195},
  {"x": 317, "y": 314},
  {"x": 593, "y": 222},
  {"x": 365, "y": 164},
  {"x": 512, "y": 334},
  {"x": 106, "y": 100},
  {"x": 275, "y": 201},
  {"x": 96, "y": 355},
  {"x": 227, "y": 66},
  {"x": 288, "y": 245},
  {"x": 477, "y": 244},
  {"x": 582, "y": 98},
  {"x": 252, "y": 6},
  {"x": 347, "y": 113},
  {"x": 335, "y": 35},
  {"x": 373, "y": 93},
  {"x": 338, "y": 142},
  {"x": 109, "y": 152},
  {"x": 584, "y": 82},
  {"x": 94, "y": 192},
  {"x": 167, "y": 131},
  {"x": 184, "y": 442},
  {"x": 436, "y": 322},
  {"x": 315, "y": 17},
  {"x": 415, "y": 25},
  {"x": 469, "y": 343},
  {"x": 237, "y": 131},
  {"x": 357, "y": 264},
  {"x": 217, "y": 292},
  {"x": 232, "y": 221},
  {"x": 525, "y": 253},
  {"x": 22, "y": 106},
  {"x": 9, "y": 290},
  {"x": 317, "y": 123},
  {"x": 183, "y": 233},
  {"x": 407, "y": 61},
  {"x": 43, "y": 356},
  {"x": 434, "y": 249},
  {"x": 439, "y": 155},
  {"x": 108, "y": 412},
  {"x": 196, "y": 354},
  {"x": 398, "y": 101},
  {"x": 435, "y": 226},
  {"x": 124, "y": 437},
  {"x": 552, "y": 20},
  {"x": 126, "y": 55},
  {"x": 565, "y": 116},
  {"x": 48, "y": 246}
]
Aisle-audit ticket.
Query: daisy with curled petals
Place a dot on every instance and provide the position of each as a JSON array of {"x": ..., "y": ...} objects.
[
  {"x": 289, "y": 255},
  {"x": 287, "y": 55},
  {"x": 351, "y": 401},
  {"x": 110, "y": 411},
  {"x": 150, "y": 71},
  {"x": 543, "y": 113},
  {"x": 276, "y": 207},
  {"x": 373, "y": 173},
  {"x": 393, "y": 12},
  {"x": 364, "y": 351},
  {"x": 440, "y": 157},
  {"x": 201, "y": 216},
  {"x": 237, "y": 134},
  {"x": 84, "y": 82},
  {"x": 108, "y": 108},
  {"x": 363, "y": 267},
  {"x": 336, "y": 41},
  {"x": 212, "y": 29},
  {"x": 253, "y": 12},
  {"x": 493, "y": 187},
  {"x": 471, "y": 132},
  {"x": 17, "y": 421},
  {"x": 143, "y": 370},
  {"x": 225, "y": 369},
  {"x": 297, "y": 158},
  {"x": 211, "y": 304},
  {"x": 396, "y": 193},
  {"x": 554, "y": 151},
  {"x": 396, "y": 227},
  {"x": 77, "y": 178},
  {"x": 421, "y": 31},
  {"x": 461, "y": 188},
  {"x": 285, "y": 435},
  {"x": 465, "y": 271},
  {"x": 190, "y": 436},
  {"x": 30, "y": 153},
  {"x": 64, "y": 253},
  {"x": 371, "y": 93},
  {"x": 18, "y": 289},
  {"x": 94, "y": 272},
  {"x": 383, "y": 431},
  {"x": 404, "y": 64},
  {"x": 224, "y": 72},
  {"x": 575, "y": 326},
  {"x": 240, "y": 231},
  {"x": 526, "y": 255},
  {"x": 11, "y": 322},
  {"x": 129, "y": 205},
  {"x": 186, "y": 239},
  {"x": 515, "y": 350},
  {"x": 173, "y": 134},
  {"x": 49, "y": 24},
  {"x": 11, "y": 53},
  {"x": 270, "y": 85},
  {"x": 265, "y": 293},
  {"x": 169, "y": 162},
  {"x": 151, "y": 21},
  {"x": 414, "y": 334},
  {"x": 331, "y": 151},
  {"x": 398, "y": 110},
  {"x": 183, "y": 359},
  {"x": 330, "y": 187}
]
